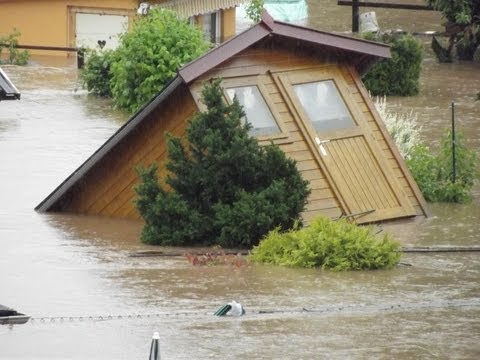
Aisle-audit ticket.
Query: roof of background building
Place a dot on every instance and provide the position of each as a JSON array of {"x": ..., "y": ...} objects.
[{"x": 8, "y": 91}]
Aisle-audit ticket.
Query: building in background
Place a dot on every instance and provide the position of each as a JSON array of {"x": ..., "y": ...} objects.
[{"x": 98, "y": 23}]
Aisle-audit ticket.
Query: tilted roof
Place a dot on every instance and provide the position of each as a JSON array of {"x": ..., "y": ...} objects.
[
  {"x": 8, "y": 91},
  {"x": 363, "y": 54}
]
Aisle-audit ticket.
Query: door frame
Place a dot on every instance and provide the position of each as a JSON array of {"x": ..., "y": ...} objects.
[
  {"x": 285, "y": 81},
  {"x": 72, "y": 12}
]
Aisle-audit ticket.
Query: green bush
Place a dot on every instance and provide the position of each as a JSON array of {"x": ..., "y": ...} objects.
[
  {"x": 15, "y": 56},
  {"x": 327, "y": 244},
  {"x": 254, "y": 10},
  {"x": 224, "y": 189},
  {"x": 434, "y": 172},
  {"x": 463, "y": 16},
  {"x": 400, "y": 74},
  {"x": 96, "y": 74},
  {"x": 147, "y": 57}
]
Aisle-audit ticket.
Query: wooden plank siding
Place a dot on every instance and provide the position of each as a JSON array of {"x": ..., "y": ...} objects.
[
  {"x": 108, "y": 188},
  {"x": 380, "y": 137}
]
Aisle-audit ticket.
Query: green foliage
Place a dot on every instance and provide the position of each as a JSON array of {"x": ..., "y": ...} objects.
[
  {"x": 434, "y": 172},
  {"x": 146, "y": 59},
  {"x": 461, "y": 12},
  {"x": 464, "y": 17},
  {"x": 15, "y": 56},
  {"x": 149, "y": 56},
  {"x": 336, "y": 245},
  {"x": 254, "y": 10},
  {"x": 400, "y": 74},
  {"x": 225, "y": 189},
  {"x": 96, "y": 74}
]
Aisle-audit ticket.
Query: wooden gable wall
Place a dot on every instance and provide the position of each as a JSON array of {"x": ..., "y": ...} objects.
[{"x": 107, "y": 189}]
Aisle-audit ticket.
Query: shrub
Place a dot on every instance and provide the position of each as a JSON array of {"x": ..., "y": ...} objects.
[
  {"x": 434, "y": 173},
  {"x": 149, "y": 56},
  {"x": 15, "y": 56},
  {"x": 402, "y": 128},
  {"x": 400, "y": 74},
  {"x": 96, "y": 75},
  {"x": 327, "y": 244},
  {"x": 254, "y": 10},
  {"x": 225, "y": 189}
]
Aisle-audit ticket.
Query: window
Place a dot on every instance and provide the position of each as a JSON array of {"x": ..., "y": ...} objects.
[
  {"x": 324, "y": 105},
  {"x": 257, "y": 112},
  {"x": 211, "y": 27}
]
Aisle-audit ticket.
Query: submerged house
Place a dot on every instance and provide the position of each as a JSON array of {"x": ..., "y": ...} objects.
[{"x": 301, "y": 89}]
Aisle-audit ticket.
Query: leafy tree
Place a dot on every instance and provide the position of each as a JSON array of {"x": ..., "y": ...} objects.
[
  {"x": 146, "y": 59},
  {"x": 399, "y": 75},
  {"x": 254, "y": 10},
  {"x": 223, "y": 188},
  {"x": 463, "y": 24}
]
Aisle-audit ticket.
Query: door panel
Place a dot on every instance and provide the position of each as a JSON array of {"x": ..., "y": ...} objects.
[
  {"x": 351, "y": 159},
  {"x": 99, "y": 30}
]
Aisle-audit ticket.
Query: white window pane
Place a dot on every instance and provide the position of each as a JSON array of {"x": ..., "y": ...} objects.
[
  {"x": 324, "y": 105},
  {"x": 257, "y": 112}
]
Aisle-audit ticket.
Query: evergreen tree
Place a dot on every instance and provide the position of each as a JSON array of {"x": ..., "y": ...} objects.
[{"x": 223, "y": 187}]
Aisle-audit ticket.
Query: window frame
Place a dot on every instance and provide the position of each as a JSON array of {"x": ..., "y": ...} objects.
[
  {"x": 338, "y": 94},
  {"x": 258, "y": 81}
]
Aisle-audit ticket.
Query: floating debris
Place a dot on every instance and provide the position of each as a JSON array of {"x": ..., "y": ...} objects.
[
  {"x": 9, "y": 316},
  {"x": 232, "y": 309}
]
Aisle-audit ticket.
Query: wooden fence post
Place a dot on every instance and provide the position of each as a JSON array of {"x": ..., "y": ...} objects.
[{"x": 355, "y": 14}]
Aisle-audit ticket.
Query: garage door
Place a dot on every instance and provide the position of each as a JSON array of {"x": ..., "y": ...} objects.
[{"x": 98, "y": 30}]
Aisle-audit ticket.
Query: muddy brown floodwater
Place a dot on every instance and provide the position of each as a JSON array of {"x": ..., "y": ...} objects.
[{"x": 91, "y": 300}]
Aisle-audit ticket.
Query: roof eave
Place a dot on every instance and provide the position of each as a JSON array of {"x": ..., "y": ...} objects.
[
  {"x": 223, "y": 52},
  {"x": 198, "y": 67},
  {"x": 341, "y": 42}
]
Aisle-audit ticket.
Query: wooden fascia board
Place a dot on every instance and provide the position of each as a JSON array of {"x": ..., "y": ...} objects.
[
  {"x": 340, "y": 42},
  {"x": 120, "y": 134},
  {"x": 223, "y": 52}
]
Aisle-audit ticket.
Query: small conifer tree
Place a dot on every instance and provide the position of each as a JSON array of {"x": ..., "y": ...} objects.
[{"x": 223, "y": 187}]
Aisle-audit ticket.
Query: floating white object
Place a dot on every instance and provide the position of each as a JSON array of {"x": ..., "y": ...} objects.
[
  {"x": 368, "y": 22},
  {"x": 236, "y": 310},
  {"x": 143, "y": 8}
]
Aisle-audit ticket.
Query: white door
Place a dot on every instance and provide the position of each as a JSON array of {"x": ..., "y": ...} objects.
[{"x": 98, "y": 30}]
